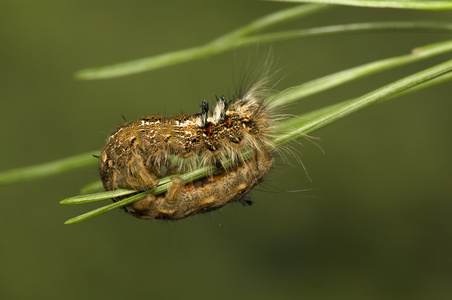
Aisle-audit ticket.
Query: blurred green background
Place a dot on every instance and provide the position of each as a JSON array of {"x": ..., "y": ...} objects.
[{"x": 372, "y": 222}]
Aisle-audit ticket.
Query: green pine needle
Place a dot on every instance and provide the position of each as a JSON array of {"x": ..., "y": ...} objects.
[
  {"x": 405, "y": 4},
  {"x": 50, "y": 168},
  {"x": 247, "y": 36}
]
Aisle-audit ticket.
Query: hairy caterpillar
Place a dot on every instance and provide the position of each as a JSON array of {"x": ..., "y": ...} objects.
[{"x": 139, "y": 153}]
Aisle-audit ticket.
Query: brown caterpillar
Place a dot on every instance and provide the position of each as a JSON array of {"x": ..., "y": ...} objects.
[{"x": 139, "y": 153}]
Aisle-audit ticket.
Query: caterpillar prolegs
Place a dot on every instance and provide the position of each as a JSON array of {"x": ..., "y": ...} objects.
[{"x": 139, "y": 153}]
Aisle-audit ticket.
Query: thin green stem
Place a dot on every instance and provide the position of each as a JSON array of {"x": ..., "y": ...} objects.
[
  {"x": 97, "y": 196},
  {"x": 273, "y": 19},
  {"x": 219, "y": 45},
  {"x": 318, "y": 119},
  {"x": 405, "y": 4},
  {"x": 239, "y": 39},
  {"x": 50, "y": 168},
  {"x": 106, "y": 208},
  {"x": 327, "y": 82},
  {"x": 347, "y": 29}
]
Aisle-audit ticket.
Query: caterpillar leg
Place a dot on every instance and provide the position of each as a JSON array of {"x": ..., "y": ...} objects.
[
  {"x": 153, "y": 207},
  {"x": 174, "y": 190},
  {"x": 138, "y": 177}
]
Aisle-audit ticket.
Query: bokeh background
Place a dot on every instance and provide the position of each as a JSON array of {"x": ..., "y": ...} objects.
[{"x": 370, "y": 219}]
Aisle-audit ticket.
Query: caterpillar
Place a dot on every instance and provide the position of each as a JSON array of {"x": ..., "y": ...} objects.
[{"x": 139, "y": 153}]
